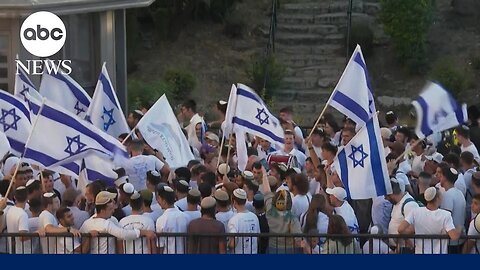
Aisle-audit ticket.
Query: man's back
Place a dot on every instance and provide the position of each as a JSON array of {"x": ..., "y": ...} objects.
[
  {"x": 48, "y": 243},
  {"x": 17, "y": 221},
  {"x": 204, "y": 245},
  {"x": 137, "y": 167},
  {"x": 172, "y": 221},
  {"x": 79, "y": 217},
  {"x": 141, "y": 222},
  {"x": 245, "y": 222}
]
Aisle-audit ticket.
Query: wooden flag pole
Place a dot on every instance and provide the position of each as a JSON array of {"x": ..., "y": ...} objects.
[
  {"x": 220, "y": 150},
  {"x": 129, "y": 135},
  {"x": 405, "y": 151}
]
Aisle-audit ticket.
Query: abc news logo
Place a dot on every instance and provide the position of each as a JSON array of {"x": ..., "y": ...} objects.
[{"x": 43, "y": 34}]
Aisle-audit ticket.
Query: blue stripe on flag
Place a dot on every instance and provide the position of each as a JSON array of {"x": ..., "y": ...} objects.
[
  {"x": 25, "y": 79},
  {"x": 342, "y": 160},
  {"x": 351, "y": 105},
  {"x": 73, "y": 88},
  {"x": 14, "y": 102},
  {"x": 424, "y": 127},
  {"x": 48, "y": 160},
  {"x": 16, "y": 145},
  {"x": 262, "y": 130},
  {"x": 107, "y": 89},
  {"x": 358, "y": 60},
  {"x": 375, "y": 159},
  {"x": 94, "y": 175},
  {"x": 457, "y": 109},
  {"x": 250, "y": 95},
  {"x": 65, "y": 119}
]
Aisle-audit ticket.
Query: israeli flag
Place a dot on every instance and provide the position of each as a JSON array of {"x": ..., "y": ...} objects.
[
  {"x": 231, "y": 105},
  {"x": 361, "y": 164},
  {"x": 251, "y": 115},
  {"x": 104, "y": 111},
  {"x": 164, "y": 134},
  {"x": 353, "y": 94},
  {"x": 59, "y": 138},
  {"x": 14, "y": 121},
  {"x": 24, "y": 86},
  {"x": 437, "y": 111},
  {"x": 65, "y": 91}
]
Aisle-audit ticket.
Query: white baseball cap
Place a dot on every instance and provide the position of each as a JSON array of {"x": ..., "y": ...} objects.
[
  {"x": 437, "y": 157},
  {"x": 338, "y": 192}
]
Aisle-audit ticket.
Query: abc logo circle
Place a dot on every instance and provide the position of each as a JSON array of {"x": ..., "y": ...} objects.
[{"x": 43, "y": 34}]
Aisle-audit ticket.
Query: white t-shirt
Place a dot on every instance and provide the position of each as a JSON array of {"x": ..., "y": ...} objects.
[
  {"x": 79, "y": 217},
  {"x": 49, "y": 244},
  {"x": 3, "y": 240},
  {"x": 300, "y": 204},
  {"x": 426, "y": 221},
  {"x": 313, "y": 186},
  {"x": 418, "y": 164},
  {"x": 66, "y": 245},
  {"x": 322, "y": 225},
  {"x": 298, "y": 154},
  {"x": 472, "y": 149},
  {"x": 17, "y": 221},
  {"x": 249, "y": 206},
  {"x": 397, "y": 217},
  {"x": 346, "y": 211},
  {"x": 379, "y": 247},
  {"x": 454, "y": 202},
  {"x": 140, "y": 222},
  {"x": 182, "y": 204},
  {"x": 381, "y": 212},
  {"x": 245, "y": 222},
  {"x": 191, "y": 215},
  {"x": 172, "y": 221},
  {"x": 106, "y": 245},
  {"x": 137, "y": 167},
  {"x": 473, "y": 232},
  {"x": 33, "y": 225},
  {"x": 224, "y": 217}
]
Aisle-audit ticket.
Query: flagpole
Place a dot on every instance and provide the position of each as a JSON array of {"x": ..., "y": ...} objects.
[
  {"x": 220, "y": 150},
  {"x": 25, "y": 150},
  {"x": 229, "y": 146},
  {"x": 405, "y": 151},
  {"x": 333, "y": 93},
  {"x": 129, "y": 134}
]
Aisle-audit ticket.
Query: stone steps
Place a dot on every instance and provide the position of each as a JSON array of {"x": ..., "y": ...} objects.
[
  {"x": 304, "y": 29},
  {"x": 329, "y": 49},
  {"x": 323, "y": 6},
  {"x": 303, "y": 60},
  {"x": 338, "y": 18},
  {"x": 321, "y": 71},
  {"x": 308, "y": 39}
]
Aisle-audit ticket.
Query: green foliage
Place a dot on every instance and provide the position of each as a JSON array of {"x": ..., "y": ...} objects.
[
  {"x": 260, "y": 66},
  {"x": 181, "y": 81},
  {"x": 219, "y": 9},
  {"x": 407, "y": 22},
  {"x": 362, "y": 34},
  {"x": 141, "y": 92},
  {"x": 450, "y": 76}
]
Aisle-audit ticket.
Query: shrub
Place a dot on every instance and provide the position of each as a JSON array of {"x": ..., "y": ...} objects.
[
  {"x": 141, "y": 92},
  {"x": 361, "y": 33},
  {"x": 407, "y": 23},
  {"x": 450, "y": 76},
  {"x": 181, "y": 81},
  {"x": 261, "y": 66}
]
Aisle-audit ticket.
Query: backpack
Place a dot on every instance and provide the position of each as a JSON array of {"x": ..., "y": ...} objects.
[{"x": 420, "y": 204}]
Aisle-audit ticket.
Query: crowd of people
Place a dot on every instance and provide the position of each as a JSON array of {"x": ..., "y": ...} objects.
[{"x": 213, "y": 207}]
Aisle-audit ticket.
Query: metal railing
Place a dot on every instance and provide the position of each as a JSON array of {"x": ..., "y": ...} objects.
[{"x": 240, "y": 243}]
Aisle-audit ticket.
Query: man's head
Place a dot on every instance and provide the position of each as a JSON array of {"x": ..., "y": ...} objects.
[
  {"x": 264, "y": 144},
  {"x": 136, "y": 202},
  {"x": 300, "y": 184},
  {"x": 239, "y": 198},
  {"x": 189, "y": 108},
  {"x": 65, "y": 216},
  {"x": 257, "y": 171},
  {"x": 47, "y": 181},
  {"x": 402, "y": 135},
  {"x": 476, "y": 204},
  {"x": 446, "y": 175},
  {"x": 181, "y": 187},
  {"x": 250, "y": 187},
  {"x": 136, "y": 147},
  {"x": 153, "y": 179},
  {"x": 20, "y": 194},
  {"x": 466, "y": 160},
  {"x": 197, "y": 172},
  {"x": 391, "y": 118},
  {"x": 433, "y": 196},
  {"x": 463, "y": 134},
  {"x": 24, "y": 174},
  {"x": 453, "y": 160},
  {"x": 424, "y": 179},
  {"x": 347, "y": 134},
  {"x": 105, "y": 204},
  {"x": 34, "y": 189},
  {"x": 222, "y": 198},
  {"x": 165, "y": 196},
  {"x": 286, "y": 114},
  {"x": 278, "y": 170},
  {"x": 318, "y": 137},
  {"x": 289, "y": 140},
  {"x": 208, "y": 206},
  {"x": 337, "y": 196},
  {"x": 309, "y": 167},
  {"x": 398, "y": 191},
  {"x": 133, "y": 118},
  {"x": 71, "y": 197},
  {"x": 329, "y": 151},
  {"x": 194, "y": 197},
  {"x": 50, "y": 202}
]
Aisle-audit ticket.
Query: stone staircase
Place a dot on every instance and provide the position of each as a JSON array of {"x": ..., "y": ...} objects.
[{"x": 310, "y": 42}]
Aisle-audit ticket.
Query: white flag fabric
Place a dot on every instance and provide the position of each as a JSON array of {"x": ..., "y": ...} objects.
[
  {"x": 14, "y": 121},
  {"x": 242, "y": 155},
  {"x": 59, "y": 138},
  {"x": 437, "y": 111},
  {"x": 251, "y": 115},
  {"x": 24, "y": 86},
  {"x": 353, "y": 94},
  {"x": 4, "y": 145},
  {"x": 361, "y": 164},
  {"x": 104, "y": 111},
  {"x": 231, "y": 105},
  {"x": 65, "y": 91},
  {"x": 160, "y": 129}
]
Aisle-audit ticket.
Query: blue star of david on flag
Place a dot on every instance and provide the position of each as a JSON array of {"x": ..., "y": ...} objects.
[
  {"x": 262, "y": 116},
  {"x": 107, "y": 114},
  {"x": 71, "y": 141},
  {"x": 24, "y": 92},
  {"x": 78, "y": 108},
  {"x": 3, "y": 119},
  {"x": 353, "y": 156}
]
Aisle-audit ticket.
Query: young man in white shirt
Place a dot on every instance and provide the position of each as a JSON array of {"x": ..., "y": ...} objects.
[
  {"x": 403, "y": 204},
  {"x": 49, "y": 224},
  {"x": 289, "y": 149},
  {"x": 243, "y": 221},
  {"x": 193, "y": 205},
  {"x": 302, "y": 198},
  {"x": 68, "y": 244},
  {"x": 71, "y": 199},
  {"x": 182, "y": 187},
  {"x": 341, "y": 207},
  {"x": 188, "y": 111},
  {"x": 472, "y": 246},
  {"x": 224, "y": 212},
  {"x": 172, "y": 221},
  {"x": 264, "y": 148},
  {"x": 138, "y": 221},
  {"x": 251, "y": 188},
  {"x": 466, "y": 145},
  {"x": 138, "y": 165},
  {"x": 17, "y": 222},
  {"x": 103, "y": 222},
  {"x": 318, "y": 138},
  {"x": 430, "y": 220},
  {"x": 453, "y": 201}
]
